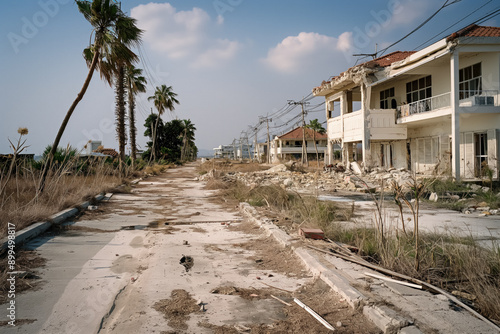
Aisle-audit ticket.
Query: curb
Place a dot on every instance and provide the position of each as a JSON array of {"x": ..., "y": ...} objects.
[
  {"x": 36, "y": 229},
  {"x": 386, "y": 319}
]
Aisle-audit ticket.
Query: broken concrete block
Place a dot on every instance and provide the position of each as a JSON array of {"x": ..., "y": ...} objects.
[
  {"x": 433, "y": 197},
  {"x": 355, "y": 168},
  {"x": 312, "y": 233}
]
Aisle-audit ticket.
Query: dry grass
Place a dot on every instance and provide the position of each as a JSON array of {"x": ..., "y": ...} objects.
[
  {"x": 21, "y": 204},
  {"x": 177, "y": 309}
]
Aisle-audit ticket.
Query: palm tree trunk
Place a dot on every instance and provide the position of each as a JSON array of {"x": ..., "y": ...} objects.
[
  {"x": 153, "y": 149},
  {"x": 120, "y": 112},
  {"x": 132, "y": 128},
  {"x": 79, "y": 97}
]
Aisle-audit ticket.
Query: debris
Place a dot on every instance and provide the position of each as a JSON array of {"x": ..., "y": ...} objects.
[
  {"x": 259, "y": 261},
  {"x": 339, "y": 324},
  {"x": 281, "y": 301},
  {"x": 187, "y": 262},
  {"x": 394, "y": 281},
  {"x": 254, "y": 295},
  {"x": 312, "y": 233},
  {"x": 433, "y": 197},
  {"x": 185, "y": 242},
  {"x": 202, "y": 308},
  {"x": 92, "y": 207},
  {"x": 133, "y": 279},
  {"x": 314, "y": 314},
  {"x": 276, "y": 287},
  {"x": 464, "y": 295}
]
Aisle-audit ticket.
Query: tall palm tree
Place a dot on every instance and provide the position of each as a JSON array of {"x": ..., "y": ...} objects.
[
  {"x": 316, "y": 127},
  {"x": 134, "y": 83},
  {"x": 113, "y": 33},
  {"x": 120, "y": 110},
  {"x": 187, "y": 138},
  {"x": 163, "y": 99}
]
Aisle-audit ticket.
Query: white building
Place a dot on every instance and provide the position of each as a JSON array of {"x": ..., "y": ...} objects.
[
  {"x": 289, "y": 145},
  {"x": 432, "y": 111},
  {"x": 225, "y": 152}
]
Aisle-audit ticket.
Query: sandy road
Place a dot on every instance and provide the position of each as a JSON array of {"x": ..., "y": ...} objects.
[{"x": 117, "y": 270}]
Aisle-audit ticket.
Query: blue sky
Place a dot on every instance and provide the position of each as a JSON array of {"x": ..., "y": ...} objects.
[{"x": 230, "y": 61}]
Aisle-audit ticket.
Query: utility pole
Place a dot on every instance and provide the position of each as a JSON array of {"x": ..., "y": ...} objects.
[
  {"x": 268, "y": 142},
  {"x": 304, "y": 148}
]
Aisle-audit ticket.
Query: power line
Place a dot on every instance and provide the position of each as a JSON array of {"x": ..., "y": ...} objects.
[
  {"x": 446, "y": 4},
  {"x": 454, "y": 24}
]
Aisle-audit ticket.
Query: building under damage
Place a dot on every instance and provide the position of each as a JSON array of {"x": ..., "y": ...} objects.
[{"x": 436, "y": 110}]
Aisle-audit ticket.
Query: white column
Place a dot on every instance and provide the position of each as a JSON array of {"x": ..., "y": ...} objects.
[
  {"x": 365, "y": 113},
  {"x": 455, "y": 116},
  {"x": 343, "y": 110}
]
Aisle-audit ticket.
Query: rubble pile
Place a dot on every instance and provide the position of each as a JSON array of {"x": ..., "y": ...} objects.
[{"x": 337, "y": 178}]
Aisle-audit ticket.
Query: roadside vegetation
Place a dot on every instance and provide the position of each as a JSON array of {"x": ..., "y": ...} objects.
[{"x": 459, "y": 265}]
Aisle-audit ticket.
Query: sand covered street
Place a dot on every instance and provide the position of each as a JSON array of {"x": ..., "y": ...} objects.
[{"x": 117, "y": 270}]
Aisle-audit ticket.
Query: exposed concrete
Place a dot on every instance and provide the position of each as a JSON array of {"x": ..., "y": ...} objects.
[
  {"x": 412, "y": 308},
  {"x": 36, "y": 229}
]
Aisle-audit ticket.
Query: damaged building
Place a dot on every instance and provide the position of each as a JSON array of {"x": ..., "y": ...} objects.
[{"x": 434, "y": 111}]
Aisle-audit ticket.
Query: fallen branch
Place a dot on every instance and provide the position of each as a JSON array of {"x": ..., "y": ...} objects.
[
  {"x": 281, "y": 301},
  {"x": 414, "y": 280},
  {"x": 394, "y": 281},
  {"x": 314, "y": 314},
  {"x": 276, "y": 287}
]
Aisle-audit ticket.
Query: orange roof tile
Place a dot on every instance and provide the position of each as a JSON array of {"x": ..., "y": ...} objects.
[
  {"x": 474, "y": 30},
  {"x": 297, "y": 134}
]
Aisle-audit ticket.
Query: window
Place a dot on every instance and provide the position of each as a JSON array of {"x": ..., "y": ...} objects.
[
  {"x": 386, "y": 97},
  {"x": 481, "y": 153},
  {"x": 470, "y": 82},
  {"x": 420, "y": 89},
  {"x": 428, "y": 150}
]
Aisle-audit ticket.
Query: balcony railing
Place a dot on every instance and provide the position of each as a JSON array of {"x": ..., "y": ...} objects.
[{"x": 425, "y": 105}]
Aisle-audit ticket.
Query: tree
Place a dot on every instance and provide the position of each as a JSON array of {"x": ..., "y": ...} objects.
[
  {"x": 113, "y": 34},
  {"x": 120, "y": 111},
  {"x": 134, "y": 83},
  {"x": 168, "y": 143},
  {"x": 315, "y": 126},
  {"x": 163, "y": 99},
  {"x": 187, "y": 139}
]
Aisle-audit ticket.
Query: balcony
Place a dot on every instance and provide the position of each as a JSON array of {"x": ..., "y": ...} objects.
[{"x": 430, "y": 104}]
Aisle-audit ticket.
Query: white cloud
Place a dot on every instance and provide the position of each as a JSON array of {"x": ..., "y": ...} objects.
[
  {"x": 299, "y": 52},
  {"x": 223, "y": 50},
  {"x": 407, "y": 12},
  {"x": 183, "y": 35}
]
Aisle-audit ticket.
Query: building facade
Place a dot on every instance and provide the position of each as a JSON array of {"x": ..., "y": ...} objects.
[{"x": 434, "y": 111}]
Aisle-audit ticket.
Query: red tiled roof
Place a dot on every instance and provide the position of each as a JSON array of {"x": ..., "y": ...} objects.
[
  {"x": 475, "y": 31},
  {"x": 107, "y": 151},
  {"x": 390, "y": 58},
  {"x": 382, "y": 61},
  {"x": 297, "y": 134}
]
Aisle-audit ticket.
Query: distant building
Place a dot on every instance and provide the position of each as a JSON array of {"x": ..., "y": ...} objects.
[
  {"x": 225, "y": 152},
  {"x": 289, "y": 145}
]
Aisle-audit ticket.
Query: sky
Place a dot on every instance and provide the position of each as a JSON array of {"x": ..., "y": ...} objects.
[{"x": 230, "y": 61}]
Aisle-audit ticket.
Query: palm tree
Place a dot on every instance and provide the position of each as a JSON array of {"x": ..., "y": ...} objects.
[
  {"x": 187, "y": 138},
  {"x": 120, "y": 110},
  {"x": 134, "y": 83},
  {"x": 113, "y": 34},
  {"x": 163, "y": 99},
  {"x": 316, "y": 127}
]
